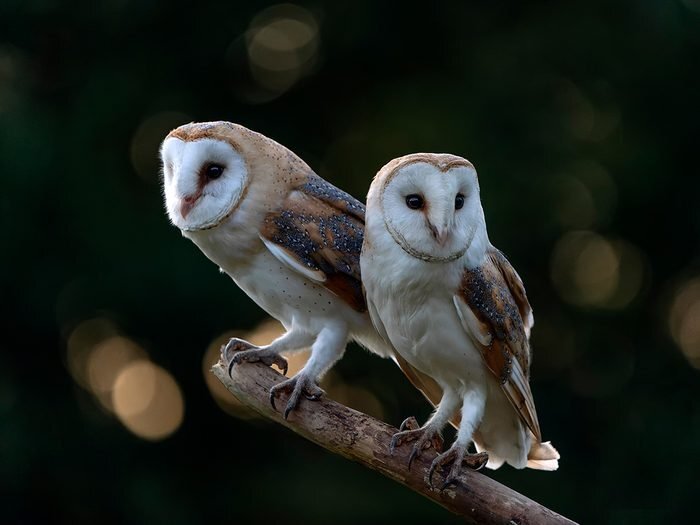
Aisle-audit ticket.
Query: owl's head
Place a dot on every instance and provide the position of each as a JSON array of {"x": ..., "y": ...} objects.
[
  {"x": 430, "y": 205},
  {"x": 205, "y": 174}
]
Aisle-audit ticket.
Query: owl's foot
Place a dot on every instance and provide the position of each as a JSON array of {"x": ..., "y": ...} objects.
[
  {"x": 457, "y": 455},
  {"x": 299, "y": 385},
  {"x": 249, "y": 353},
  {"x": 411, "y": 431}
]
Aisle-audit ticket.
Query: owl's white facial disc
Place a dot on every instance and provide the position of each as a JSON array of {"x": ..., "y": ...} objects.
[
  {"x": 434, "y": 215},
  {"x": 203, "y": 181}
]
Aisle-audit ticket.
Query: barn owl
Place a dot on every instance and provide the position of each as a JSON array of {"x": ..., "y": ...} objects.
[
  {"x": 455, "y": 312},
  {"x": 289, "y": 239}
]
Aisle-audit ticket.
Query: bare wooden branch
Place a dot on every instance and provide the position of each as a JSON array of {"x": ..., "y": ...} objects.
[{"x": 357, "y": 436}]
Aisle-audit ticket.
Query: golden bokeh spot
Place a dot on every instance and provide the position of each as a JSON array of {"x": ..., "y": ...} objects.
[
  {"x": 684, "y": 320},
  {"x": 591, "y": 271},
  {"x": 584, "y": 268},
  {"x": 147, "y": 400},
  {"x": 135, "y": 397},
  {"x": 106, "y": 361},
  {"x": 80, "y": 343},
  {"x": 282, "y": 44},
  {"x": 596, "y": 270},
  {"x": 631, "y": 276},
  {"x": 273, "y": 46},
  {"x": 574, "y": 203}
]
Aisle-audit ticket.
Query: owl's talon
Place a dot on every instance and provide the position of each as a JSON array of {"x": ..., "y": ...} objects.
[
  {"x": 298, "y": 385},
  {"x": 234, "y": 345},
  {"x": 457, "y": 455},
  {"x": 410, "y": 423},
  {"x": 425, "y": 438},
  {"x": 248, "y": 353},
  {"x": 415, "y": 452},
  {"x": 287, "y": 410}
]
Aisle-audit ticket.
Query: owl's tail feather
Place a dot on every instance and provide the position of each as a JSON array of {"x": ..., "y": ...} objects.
[{"x": 542, "y": 456}]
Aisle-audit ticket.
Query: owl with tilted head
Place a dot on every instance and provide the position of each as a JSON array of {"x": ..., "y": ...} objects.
[{"x": 288, "y": 238}]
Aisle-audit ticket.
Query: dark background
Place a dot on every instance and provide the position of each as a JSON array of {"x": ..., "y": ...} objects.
[{"x": 582, "y": 120}]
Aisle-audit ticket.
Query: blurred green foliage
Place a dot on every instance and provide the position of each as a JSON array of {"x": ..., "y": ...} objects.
[{"x": 578, "y": 115}]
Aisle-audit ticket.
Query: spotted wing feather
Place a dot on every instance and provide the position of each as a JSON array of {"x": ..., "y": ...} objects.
[
  {"x": 516, "y": 287},
  {"x": 490, "y": 296},
  {"x": 320, "y": 228}
]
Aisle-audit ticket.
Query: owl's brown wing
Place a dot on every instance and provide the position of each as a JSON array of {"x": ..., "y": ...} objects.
[
  {"x": 318, "y": 231},
  {"x": 515, "y": 286},
  {"x": 494, "y": 311}
]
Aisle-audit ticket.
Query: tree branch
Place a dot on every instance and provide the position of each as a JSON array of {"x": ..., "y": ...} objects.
[{"x": 357, "y": 436}]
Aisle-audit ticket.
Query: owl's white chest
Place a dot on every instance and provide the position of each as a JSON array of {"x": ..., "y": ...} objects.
[
  {"x": 429, "y": 335},
  {"x": 415, "y": 303}
]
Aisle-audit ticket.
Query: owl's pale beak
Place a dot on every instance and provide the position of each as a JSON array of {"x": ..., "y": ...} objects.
[
  {"x": 188, "y": 203},
  {"x": 440, "y": 233},
  {"x": 443, "y": 234}
]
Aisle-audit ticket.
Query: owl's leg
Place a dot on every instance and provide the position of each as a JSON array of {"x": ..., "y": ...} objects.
[
  {"x": 268, "y": 355},
  {"x": 428, "y": 434},
  {"x": 325, "y": 351},
  {"x": 472, "y": 412}
]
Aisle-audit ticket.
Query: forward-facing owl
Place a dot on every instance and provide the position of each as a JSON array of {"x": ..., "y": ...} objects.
[
  {"x": 288, "y": 238},
  {"x": 455, "y": 311}
]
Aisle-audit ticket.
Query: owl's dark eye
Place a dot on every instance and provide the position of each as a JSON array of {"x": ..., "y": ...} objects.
[
  {"x": 213, "y": 171},
  {"x": 414, "y": 201},
  {"x": 459, "y": 201}
]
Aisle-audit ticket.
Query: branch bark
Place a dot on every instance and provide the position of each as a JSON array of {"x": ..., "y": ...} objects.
[{"x": 357, "y": 436}]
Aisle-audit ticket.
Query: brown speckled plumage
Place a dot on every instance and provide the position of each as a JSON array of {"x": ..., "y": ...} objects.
[
  {"x": 322, "y": 227},
  {"x": 496, "y": 296}
]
